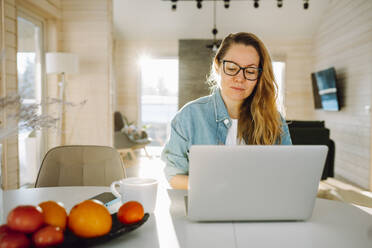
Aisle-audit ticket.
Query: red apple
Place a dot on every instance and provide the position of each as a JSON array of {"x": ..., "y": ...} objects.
[
  {"x": 4, "y": 229},
  {"x": 48, "y": 236},
  {"x": 26, "y": 219},
  {"x": 13, "y": 239}
]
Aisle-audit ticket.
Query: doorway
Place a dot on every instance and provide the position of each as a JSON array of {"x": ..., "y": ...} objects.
[{"x": 31, "y": 85}]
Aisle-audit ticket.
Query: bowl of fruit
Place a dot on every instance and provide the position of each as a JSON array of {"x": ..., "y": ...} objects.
[{"x": 88, "y": 223}]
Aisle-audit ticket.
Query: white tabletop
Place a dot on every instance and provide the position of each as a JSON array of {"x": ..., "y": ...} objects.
[{"x": 333, "y": 224}]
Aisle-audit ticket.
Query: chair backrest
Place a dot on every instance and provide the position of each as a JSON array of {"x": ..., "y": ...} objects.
[
  {"x": 80, "y": 165},
  {"x": 314, "y": 133},
  {"x": 305, "y": 124},
  {"x": 118, "y": 121}
]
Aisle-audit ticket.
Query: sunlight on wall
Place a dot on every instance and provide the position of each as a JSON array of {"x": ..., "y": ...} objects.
[{"x": 279, "y": 69}]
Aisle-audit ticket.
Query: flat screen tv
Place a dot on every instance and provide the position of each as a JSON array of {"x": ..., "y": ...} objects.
[{"x": 325, "y": 90}]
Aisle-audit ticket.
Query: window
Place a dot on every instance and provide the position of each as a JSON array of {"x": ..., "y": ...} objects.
[
  {"x": 279, "y": 69},
  {"x": 159, "y": 97}
]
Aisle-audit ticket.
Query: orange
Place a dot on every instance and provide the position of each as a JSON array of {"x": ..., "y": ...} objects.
[
  {"x": 54, "y": 214},
  {"x": 89, "y": 219},
  {"x": 130, "y": 212}
]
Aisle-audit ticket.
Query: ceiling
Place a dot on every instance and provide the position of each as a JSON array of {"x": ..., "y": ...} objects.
[{"x": 154, "y": 19}]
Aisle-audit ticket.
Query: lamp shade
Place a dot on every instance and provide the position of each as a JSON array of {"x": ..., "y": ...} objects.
[{"x": 62, "y": 63}]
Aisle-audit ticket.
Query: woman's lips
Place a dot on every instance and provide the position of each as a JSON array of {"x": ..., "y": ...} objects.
[{"x": 237, "y": 88}]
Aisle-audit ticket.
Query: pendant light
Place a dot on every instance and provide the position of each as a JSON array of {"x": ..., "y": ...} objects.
[{"x": 214, "y": 46}]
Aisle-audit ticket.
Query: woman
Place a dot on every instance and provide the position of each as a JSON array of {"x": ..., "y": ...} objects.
[{"x": 241, "y": 110}]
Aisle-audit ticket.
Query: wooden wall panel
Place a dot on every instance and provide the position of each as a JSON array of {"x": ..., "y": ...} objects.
[
  {"x": 86, "y": 30},
  {"x": 344, "y": 41},
  {"x": 44, "y": 8},
  {"x": 10, "y": 24},
  {"x": 10, "y": 171},
  {"x": 298, "y": 100},
  {"x": 55, "y": 3},
  {"x": 9, "y": 11}
]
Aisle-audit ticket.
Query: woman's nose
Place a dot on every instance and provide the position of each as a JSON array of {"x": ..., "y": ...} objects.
[{"x": 240, "y": 76}]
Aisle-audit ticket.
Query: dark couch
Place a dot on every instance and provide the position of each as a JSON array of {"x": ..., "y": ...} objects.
[{"x": 314, "y": 133}]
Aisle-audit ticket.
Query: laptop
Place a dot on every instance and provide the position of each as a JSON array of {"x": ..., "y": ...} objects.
[{"x": 254, "y": 183}]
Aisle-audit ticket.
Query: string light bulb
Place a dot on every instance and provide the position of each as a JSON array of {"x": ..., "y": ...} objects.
[
  {"x": 199, "y": 4},
  {"x": 226, "y": 4},
  {"x": 174, "y": 5},
  {"x": 306, "y": 4},
  {"x": 256, "y": 4},
  {"x": 280, "y": 3}
]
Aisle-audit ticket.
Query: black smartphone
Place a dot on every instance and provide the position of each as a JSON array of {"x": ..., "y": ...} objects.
[{"x": 107, "y": 198}]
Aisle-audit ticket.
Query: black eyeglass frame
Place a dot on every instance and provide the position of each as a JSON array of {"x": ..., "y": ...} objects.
[{"x": 241, "y": 68}]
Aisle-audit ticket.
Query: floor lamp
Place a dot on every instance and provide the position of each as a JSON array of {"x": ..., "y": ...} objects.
[{"x": 61, "y": 63}]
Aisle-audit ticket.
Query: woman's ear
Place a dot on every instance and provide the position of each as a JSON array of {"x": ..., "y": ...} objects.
[{"x": 217, "y": 66}]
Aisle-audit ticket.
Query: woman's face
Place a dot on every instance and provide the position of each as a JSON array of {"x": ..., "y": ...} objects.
[{"x": 237, "y": 88}]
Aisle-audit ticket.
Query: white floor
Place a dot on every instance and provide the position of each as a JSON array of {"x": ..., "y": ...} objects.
[{"x": 148, "y": 167}]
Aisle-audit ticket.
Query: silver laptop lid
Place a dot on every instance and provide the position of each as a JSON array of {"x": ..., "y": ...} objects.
[{"x": 254, "y": 183}]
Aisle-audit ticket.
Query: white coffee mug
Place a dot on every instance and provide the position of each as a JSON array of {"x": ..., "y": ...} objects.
[{"x": 143, "y": 190}]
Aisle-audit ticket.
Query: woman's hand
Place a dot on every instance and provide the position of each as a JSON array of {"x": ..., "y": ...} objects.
[{"x": 179, "y": 182}]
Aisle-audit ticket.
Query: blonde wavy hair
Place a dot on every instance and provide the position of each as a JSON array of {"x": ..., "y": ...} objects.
[{"x": 259, "y": 120}]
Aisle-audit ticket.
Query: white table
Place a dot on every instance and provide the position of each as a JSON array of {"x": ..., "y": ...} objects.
[{"x": 333, "y": 224}]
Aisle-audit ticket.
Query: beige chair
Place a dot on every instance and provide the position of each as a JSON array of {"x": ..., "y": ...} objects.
[{"x": 80, "y": 165}]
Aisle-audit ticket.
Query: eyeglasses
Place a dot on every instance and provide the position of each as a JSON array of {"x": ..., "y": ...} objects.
[{"x": 250, "y": 73}]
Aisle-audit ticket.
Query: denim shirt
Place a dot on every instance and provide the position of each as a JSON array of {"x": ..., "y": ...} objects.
[{"x": 204, "y": 121}]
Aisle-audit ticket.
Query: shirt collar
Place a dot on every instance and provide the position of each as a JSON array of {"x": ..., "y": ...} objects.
[{"x": 220, "y": 109}]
